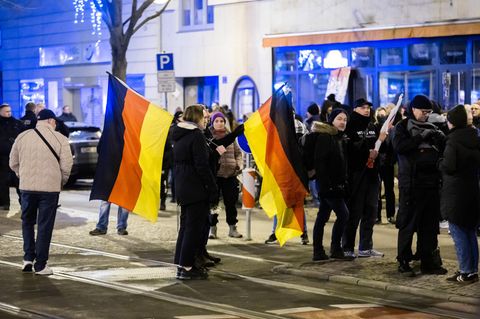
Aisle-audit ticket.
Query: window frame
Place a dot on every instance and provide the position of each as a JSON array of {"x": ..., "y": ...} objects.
[{"x": 194, "y": 27}]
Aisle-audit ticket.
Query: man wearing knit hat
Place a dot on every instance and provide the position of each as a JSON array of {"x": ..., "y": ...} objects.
[{"x": 419, "y": 145}]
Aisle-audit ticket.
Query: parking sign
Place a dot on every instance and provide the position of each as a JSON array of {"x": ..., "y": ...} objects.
[{"x": 165, "y": 73}]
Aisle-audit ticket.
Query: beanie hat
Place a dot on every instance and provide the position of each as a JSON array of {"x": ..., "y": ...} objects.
[
  {"x": 334, "y": 114},
  {"x": 458, "y": 116},
  {"x": 313, "y": 109},
  {"x": 421, "y": 102},
  {"x": 215, "y": 115}
]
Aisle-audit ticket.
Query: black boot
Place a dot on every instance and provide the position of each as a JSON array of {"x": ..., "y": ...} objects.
[
  {"x": 432, "y": 265},
  {"x": 405, "y": 269},
  {"x": 319, "y": 254}
]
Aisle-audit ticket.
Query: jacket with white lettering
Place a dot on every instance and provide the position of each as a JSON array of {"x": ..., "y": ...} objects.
[{"x": 362, "y": 134}]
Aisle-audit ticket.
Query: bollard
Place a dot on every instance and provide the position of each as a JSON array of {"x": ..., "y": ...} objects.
[{"x": 248, "y": 197}]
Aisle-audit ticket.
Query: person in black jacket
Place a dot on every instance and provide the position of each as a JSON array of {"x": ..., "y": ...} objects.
[
  {"x": 460, "y": 192},
  {"x": 331, "y": 172},
  {"x": 30, "y": 117},
  {"x": 196, "y": 190},
  {"x": 418, "y": 145},
  {"x": 9, "y": 130},
  {"x": 363, "y": 180}
]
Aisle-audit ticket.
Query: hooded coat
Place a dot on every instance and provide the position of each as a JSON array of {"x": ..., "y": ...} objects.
[
  {"x": 330, "y": 160},
  {"x": 194, "y": 181},
  {"x": 459, "y": 166}
]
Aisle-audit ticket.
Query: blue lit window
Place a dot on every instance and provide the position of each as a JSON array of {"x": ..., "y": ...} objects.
[{"x": 195, "y": 15}]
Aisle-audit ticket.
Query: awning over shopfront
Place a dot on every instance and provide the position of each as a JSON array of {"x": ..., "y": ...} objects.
[{"x": 374, "y": 34}]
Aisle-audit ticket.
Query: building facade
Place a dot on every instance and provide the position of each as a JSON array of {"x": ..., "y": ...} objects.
[
  {"x": 390, "y": 47},
  {"x": 236, "y": 52},
  {"x": 46, "y": 57}
]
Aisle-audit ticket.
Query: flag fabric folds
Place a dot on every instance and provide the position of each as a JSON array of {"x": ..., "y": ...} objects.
[
  {"x": 130, "y": 151},
  {"x": 270, "y": 132}
]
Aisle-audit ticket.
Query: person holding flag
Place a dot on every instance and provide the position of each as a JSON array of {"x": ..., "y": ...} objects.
[{"x": 363, "y": 179}]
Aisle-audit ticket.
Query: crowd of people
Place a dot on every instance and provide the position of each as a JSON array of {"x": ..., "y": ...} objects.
[
  {"x": 437, "y": 154},
  {"x": 438, "y": 179}
]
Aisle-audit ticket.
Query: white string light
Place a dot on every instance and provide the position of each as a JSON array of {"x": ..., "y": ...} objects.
[
  {"x": 95, "y": 15},
  {"x": 79, "y": 6}
]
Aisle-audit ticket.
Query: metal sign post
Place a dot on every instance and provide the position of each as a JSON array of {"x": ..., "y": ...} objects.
[{"x": 165, "y": 74}]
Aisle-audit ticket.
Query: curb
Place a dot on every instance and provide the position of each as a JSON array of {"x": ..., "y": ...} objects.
[{"x": 285, "y": 269}]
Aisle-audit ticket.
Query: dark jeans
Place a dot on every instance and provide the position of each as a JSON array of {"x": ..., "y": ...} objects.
[
  {"x": 466, "y": 246},
  {"x": 191, "y": 236},
  {"x": 229, "y": 189},
  {"x": 326, "y": 206},
  {"x": 387, "y": 177},
  {"x": 362, "y": 207},
  {"x": 38, "y": 208},
  {"x": 419, "y": 211}
]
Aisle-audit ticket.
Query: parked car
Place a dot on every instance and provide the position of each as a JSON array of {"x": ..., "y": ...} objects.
[{"x": 84, "y": 140}]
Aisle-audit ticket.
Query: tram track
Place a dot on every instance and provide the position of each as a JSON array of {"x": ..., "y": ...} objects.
[{"x": 216, "y": 307}]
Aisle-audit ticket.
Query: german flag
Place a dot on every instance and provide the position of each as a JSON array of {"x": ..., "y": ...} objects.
[
  {"x": 130, "y": 151},
  {"x": 270, "y": 132}
]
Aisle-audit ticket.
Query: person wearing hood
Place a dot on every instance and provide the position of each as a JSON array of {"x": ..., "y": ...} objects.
[
  {"x": 419, "y": 145},
  {"x": 195, "y": 190},
  {"x": 363, "y": 180},
  {"x": 10, "y": 127},
  {"x": 460, "y": 199},
  {"x": 331, "y": 174}
]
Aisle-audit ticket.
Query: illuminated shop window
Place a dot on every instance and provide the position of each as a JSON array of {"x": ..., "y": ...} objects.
[{"x": 32, "y": 91}]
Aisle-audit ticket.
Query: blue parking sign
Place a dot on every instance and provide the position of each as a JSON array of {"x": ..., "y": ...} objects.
[{"x": 165, "y": 62}]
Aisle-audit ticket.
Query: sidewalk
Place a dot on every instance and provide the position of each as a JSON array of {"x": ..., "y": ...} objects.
[{"x": 381, "y": 273}]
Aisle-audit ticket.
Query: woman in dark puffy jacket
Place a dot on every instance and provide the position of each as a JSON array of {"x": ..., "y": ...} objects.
[
  {"x": 196, "y": 190},
  {"x": 460, "y": 192},
  {"x": 331, "y": 173}
]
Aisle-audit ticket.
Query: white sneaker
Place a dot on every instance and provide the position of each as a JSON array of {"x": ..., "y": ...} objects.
[
  {"x": 349, "y": 253},
  {"x": 444, "y": 224},
  {"x": 370, "y": 253},
  {"x": 45, "y": 271},
  {"x": 233, "y": 232}
]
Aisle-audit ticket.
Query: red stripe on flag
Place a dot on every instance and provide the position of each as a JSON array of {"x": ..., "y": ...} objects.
[
  {"x": 128, "y": 183},
  {"x": 287, "y": 179}
]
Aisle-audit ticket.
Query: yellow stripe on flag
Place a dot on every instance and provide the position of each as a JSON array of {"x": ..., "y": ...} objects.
[
  {"x": 271, "y": 197},
  {"x": 152, "y": 140}
]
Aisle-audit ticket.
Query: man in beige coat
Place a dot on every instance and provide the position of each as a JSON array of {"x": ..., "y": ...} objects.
[{"x": 42, "y": 160}]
